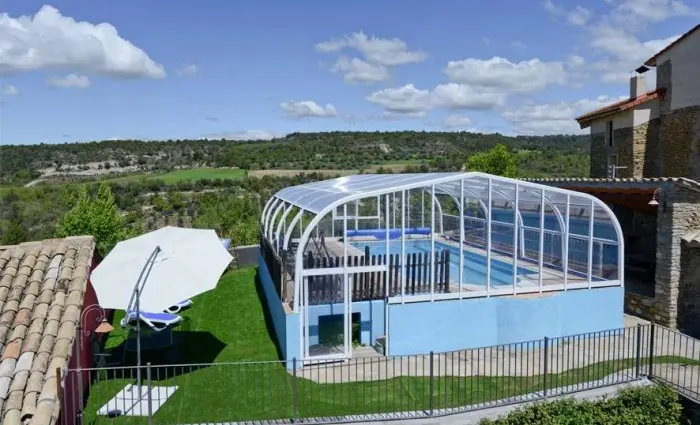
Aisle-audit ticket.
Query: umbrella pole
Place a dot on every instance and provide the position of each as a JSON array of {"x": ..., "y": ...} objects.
[{"x": 136, "y": 297}]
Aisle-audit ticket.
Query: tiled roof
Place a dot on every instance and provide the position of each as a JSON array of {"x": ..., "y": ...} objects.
[
  {"x": 41, "y": 295},
  {"x": 647, "y": 181},
  {"x": 585, "y": 119},
  {"x": 652, "y": 60}
]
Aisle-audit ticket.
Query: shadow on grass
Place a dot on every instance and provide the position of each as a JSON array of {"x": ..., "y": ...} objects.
[
  {"x": 269, "y": 325},
  {"x": 189, "y": 352}
]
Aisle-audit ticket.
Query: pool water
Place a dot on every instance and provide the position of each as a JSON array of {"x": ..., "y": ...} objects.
[{"x": 474, "y": 264}]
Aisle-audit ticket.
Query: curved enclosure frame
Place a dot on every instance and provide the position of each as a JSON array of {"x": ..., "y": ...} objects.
[{"x": 423, "y": 237}]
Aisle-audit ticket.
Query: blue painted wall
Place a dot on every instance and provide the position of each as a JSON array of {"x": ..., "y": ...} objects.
[
  {"x": 371, "y": 319},
  {"x": 418, "y": 328},
  {"x": 286, "y": 325}
]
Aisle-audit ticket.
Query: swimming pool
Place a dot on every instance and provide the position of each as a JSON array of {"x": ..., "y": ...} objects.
[{"x": 474, "y": 264}]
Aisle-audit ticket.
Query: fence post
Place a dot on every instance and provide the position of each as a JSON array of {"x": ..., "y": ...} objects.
[
  {"x": 432, "y": 375},
  {"x": 149, "y": 387},
  {"x": 651, "y": 350},
  {"x": 295, "y": 400},
  {"x": 545, "y": 366},
  {"x": 638, "y": 354}
]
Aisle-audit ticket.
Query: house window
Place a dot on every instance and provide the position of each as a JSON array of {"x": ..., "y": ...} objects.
[{"x": 609, "y": 133}]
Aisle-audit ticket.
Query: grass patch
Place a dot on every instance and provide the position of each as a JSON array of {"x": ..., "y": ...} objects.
[
  {"x": 229, "y": 325},
  {"x": 189, "y": 175}
]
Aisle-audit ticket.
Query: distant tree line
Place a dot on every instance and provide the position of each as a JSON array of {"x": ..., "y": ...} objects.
[{"x": 537, "y": 155}]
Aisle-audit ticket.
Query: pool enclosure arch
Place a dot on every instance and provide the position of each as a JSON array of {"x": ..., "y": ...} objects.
[{"x": 425, "y": 237}]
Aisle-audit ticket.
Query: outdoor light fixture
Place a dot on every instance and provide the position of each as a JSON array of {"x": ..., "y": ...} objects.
[{"x": 655, "y": 200}]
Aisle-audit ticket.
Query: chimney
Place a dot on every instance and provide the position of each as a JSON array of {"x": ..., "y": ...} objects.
[{"x": 637, "y": 86}]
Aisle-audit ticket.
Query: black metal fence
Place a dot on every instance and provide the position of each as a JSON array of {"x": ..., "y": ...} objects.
[{"x": 381, "y": 388}]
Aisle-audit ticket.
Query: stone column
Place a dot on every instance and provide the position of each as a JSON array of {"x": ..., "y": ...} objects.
[{"x": 682, "y": 214}]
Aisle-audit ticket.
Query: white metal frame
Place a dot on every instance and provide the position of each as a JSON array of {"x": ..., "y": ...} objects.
[{"x": 321, "y": 199}]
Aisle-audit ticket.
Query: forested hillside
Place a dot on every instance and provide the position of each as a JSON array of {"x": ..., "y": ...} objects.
[{"x": 545, "y": 155}]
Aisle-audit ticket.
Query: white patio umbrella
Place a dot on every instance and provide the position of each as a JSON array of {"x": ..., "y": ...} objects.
[
  {"x": 189, "y": 262},
  {"x": 159, "y": 269}
]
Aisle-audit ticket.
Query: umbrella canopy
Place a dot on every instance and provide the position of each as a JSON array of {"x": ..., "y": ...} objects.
[{"x": 190, "y": 262}]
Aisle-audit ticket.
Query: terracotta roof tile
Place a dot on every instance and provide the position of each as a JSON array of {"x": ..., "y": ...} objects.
[
  {"x": 42, "y": 285},
  {"x": 623, "y": 105}
]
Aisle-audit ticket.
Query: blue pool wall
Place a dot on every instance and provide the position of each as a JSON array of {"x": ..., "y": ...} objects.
[
  {"x": 371, "y": 319},
  {"x": 448, "y": 325},
  {"x": 287, "y": 325}
]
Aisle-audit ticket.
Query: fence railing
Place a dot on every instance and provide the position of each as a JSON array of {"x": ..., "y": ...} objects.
[
  {"x": 421, "y": 273},
  {"x": 381, "y": 388},
  {"x": 276, "y": 267}
]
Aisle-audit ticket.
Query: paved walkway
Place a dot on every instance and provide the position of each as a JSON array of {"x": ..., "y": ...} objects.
[{"x": 522, "y": 359}]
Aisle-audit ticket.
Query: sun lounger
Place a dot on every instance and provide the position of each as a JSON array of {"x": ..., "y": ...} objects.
[
  {"x": 182, "y": 305},
  {"x": 155, "y": 321}
]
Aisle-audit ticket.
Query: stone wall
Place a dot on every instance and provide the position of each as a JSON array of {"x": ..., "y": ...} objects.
[
  {"x": 637, "y": 148},
  {"x": 652, "y": 153},
  {"x": 643, "y": 307},
  {"x": 599, "y": 156},
  {"x": 678, "y": 213},
  {"x": 689, "y": 291},
  {"x": 623, "y": 146},
  {"x": 680, "y": 136}
]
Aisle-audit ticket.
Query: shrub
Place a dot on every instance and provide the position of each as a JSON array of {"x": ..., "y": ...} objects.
[{"x": 633, "y": 406}]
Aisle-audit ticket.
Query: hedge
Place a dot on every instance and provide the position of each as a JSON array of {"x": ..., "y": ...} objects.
[{"x": 652, "y": 405}]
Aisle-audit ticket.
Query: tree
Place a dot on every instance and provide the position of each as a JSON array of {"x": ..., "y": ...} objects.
[
  {"x": 498, "y": 161},
  {"x": 98, "y": 217}
]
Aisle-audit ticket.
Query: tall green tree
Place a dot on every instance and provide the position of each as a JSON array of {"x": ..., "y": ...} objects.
[
  {"x": 233, "y": 216},
  {"x": 498, "y": 161},
  {"x": 97, "y": 216}
]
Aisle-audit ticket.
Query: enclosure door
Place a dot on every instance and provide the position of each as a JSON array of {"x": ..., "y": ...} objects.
[{"x": 326, "y": 320}]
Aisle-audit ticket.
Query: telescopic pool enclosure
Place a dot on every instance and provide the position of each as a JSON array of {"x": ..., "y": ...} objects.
[{"x": 412, "y": 263}]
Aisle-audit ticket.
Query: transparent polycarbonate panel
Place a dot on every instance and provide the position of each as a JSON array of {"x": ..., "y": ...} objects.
[
  {"x": 531, "y": 244},
  {"x": 579, "y": 215},
  {"x": 323, "y": 250},
  {"x": 503, "y": 219},
  {"x": 317, "y": 196},
  {"x": 326, "y": 332},
  {"x": 605, "y": 247}
]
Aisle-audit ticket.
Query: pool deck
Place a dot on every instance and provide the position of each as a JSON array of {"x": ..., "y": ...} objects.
[{"x": 550, "y": 275}]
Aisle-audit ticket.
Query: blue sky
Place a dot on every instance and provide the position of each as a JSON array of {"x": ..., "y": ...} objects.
[{"x": 75, "y": 70}]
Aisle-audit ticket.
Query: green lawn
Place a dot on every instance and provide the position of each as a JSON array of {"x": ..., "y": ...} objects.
[
  {"x": 229, "y": 325},
  {"x": 193, "y": 174}
]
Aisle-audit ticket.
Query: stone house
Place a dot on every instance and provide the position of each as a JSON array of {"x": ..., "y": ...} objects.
[{"x": 645, "y": 163}]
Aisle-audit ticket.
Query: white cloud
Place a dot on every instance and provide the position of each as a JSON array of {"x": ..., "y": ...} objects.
[
  {"x": 501, "y": 74},
  {"x": 615, "y": 36},
  {"x": 518, "y": 44},
  {"x": 464, "y": 96},
  {"x": 487, "y": 41},
  {"x": 243, "y": 135},
  {"x": 69, "y": 81},
  {"x": 410, "y": 101},
  {"x": 403, "y": 100},
  {"x": 358, "y": 71},
  {"x": 307, "y": 108},
  {"x": 579, "y": 16},
  {"x": 554, "y": 117},
  {"x": 381, "y": 51},
  {"x": 456, "y": 121},
  {"x": 377, "y": 55},
  {"x": 9, "y": 90},
  {"x": 49, "y": 40},
  {"x": 190, "y": 69}
]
